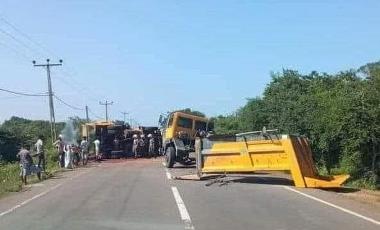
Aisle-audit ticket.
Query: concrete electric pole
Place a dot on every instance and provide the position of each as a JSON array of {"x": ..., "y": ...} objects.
[
  {"x": 51, "y": 102},
  {"x": 106, "y": 104},
  {"x": 87, "y": 118},
  {"x": 125, "y": 113}
]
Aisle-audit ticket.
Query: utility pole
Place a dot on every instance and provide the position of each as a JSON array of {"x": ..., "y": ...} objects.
[
  {"x": 87, "y": 118},
  {"x": 106, "y": 104},
  {"x": 125, "y": 113},
  {"x": 51, "y": 102}
]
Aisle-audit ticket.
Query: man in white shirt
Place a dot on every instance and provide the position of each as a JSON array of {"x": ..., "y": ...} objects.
[
  {"x": 97, "y": 149},
  {"x": 39, "y": 145},
  {"x": 84, "y": 150}
]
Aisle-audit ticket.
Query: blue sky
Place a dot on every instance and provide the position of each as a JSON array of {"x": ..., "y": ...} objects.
[{"x": 154, "y": 56}]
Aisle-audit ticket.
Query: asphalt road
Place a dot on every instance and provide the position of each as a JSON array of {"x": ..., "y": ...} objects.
[{"x": 141, "y": 194}]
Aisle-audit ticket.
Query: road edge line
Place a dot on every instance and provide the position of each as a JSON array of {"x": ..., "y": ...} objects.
[
  {"x": 333, "y": 205},
  {"x": 25, "y": 202},
  {"x": 182, "y": 209}
]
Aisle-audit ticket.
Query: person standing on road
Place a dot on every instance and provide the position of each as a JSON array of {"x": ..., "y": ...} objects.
[
  {"x": 26, "y": 165},
  {"x": 135, "y": 145},
  {"x": 141, "y": 149},
  {"x": 151, "y": 146},
  {"x": 84, "y": 150},
  {"x": 69, "y": 156},
  {"x": 40, "y": 153},
  {"x": 60, "y": 145},
  {"x": 97, "y": 149}
]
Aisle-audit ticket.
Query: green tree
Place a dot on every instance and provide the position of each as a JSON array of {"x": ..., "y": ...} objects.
[{"x": 340, "y": 114}]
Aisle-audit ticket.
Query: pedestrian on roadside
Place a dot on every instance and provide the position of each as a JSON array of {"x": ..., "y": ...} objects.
[
  {"x": 142, "y": 146},
  {"x": 60, "y": 146},
  {"x": 151, "y": 149},
  {"x": 135, "y": 145},
  {"x": 39, "y": 146},
  {"x": 84, "y": 150},
  {"x": 116, "y": 144},
  {"x": 69, "y": 156},
  {"x": 27, "y": 166},
  {"x": 97, "y": 149}
]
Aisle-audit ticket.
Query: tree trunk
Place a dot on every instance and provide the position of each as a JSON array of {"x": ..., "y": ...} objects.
[{"x": 374, "y": 157}]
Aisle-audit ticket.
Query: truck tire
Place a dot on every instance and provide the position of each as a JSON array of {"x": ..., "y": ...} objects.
[{"x": 170, "y": 156}]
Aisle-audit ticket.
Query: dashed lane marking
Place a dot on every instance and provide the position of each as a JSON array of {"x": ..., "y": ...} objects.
[
  {"x": 168, "y": 175},
  {"x": 182, "y": 209}
]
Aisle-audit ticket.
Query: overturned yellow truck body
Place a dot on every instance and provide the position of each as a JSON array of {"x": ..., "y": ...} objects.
[{"x": 272, "y": 153}]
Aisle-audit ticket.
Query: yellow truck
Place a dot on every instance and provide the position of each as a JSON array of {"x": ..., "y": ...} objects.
[{"x": 179, "y": 130}]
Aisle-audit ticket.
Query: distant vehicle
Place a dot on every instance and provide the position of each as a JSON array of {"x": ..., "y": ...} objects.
[
  {"x": 179, "y": 130},
  {"x": 107, "y": 132}
]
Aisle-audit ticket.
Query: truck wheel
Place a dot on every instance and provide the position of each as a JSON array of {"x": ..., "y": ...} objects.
[{"x": 170, "y": 157}]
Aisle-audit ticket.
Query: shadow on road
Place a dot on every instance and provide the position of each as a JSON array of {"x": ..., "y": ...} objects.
[
  {"x": 184, "y": 167},
  {"x": 342, "y": 190},
  {"x": 263, "y": 180}
]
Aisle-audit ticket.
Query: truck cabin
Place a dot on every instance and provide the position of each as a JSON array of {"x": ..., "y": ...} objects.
[{"x": 185, "y": 126}]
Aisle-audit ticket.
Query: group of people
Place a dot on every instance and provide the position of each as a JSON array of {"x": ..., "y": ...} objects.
[
  {"x": 69, "y": 155},
  {"x": 142, "y": 145}
]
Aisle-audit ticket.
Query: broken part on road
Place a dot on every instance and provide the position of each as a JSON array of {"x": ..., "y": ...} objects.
[{"x": 263, "y": 151}]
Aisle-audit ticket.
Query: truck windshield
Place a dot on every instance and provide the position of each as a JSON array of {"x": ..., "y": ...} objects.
[
  {"x": 185, "y": 122},
  {"x": 200, "y": 125}
]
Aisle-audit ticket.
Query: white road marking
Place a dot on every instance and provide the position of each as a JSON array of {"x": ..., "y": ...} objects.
[
  {"x": 333, "y": 205},
  {"x": 168, "y": 175},
  {"x": 182, "y": 209},
  {"x": 29, "y": 200},
  {"x": 25, "y": 202}
]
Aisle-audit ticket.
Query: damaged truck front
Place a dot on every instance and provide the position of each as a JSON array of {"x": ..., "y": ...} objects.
[{"x": 179, "y": 130}]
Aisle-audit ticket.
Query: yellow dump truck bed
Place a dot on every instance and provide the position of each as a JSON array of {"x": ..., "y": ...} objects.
[{"x": 286, "y": 153}]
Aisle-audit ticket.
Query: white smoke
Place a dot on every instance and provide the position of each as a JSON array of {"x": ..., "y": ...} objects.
[{"x": 69, "y": 133}]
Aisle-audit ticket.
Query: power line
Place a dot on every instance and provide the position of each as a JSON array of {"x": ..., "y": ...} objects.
[
  {"x": 20, "y": 42},
  {"x": 25, "y": 35},
  {"x": 36, "y": 47},
  {"x": 83, "y": 89},
  {"x": 10, "y": 97},
  {"x": 89, "y": 110},
  {"x": 79, "y": 90},
  {"x": 16, "y": 51},
  {"x": 25, "y": 94},
  {"x": 67, "y": 104}
]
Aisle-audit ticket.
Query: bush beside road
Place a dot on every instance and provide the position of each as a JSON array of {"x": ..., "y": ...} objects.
[{"x": 10, "y": 173}]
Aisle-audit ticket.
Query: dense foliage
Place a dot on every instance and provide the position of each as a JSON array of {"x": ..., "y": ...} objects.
[
  {"x": 19, "y": 131},
  {"x": 340, "y": 114}
]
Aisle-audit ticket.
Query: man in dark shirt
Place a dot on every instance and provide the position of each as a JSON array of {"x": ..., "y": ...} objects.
[{"x": 26, "y": 165}]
